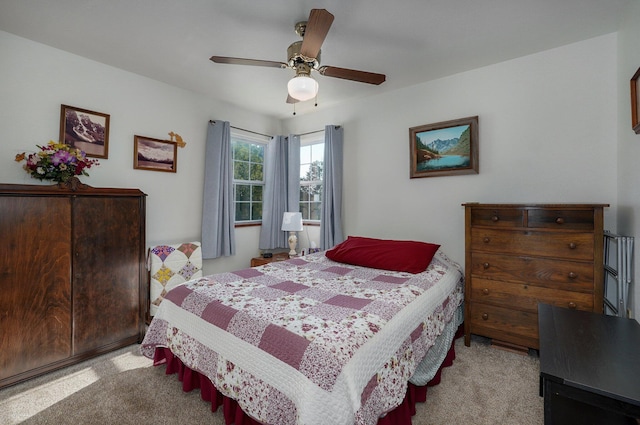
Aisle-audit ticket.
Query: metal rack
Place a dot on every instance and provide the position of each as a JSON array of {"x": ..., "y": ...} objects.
[{"x": 618, "y": 273}]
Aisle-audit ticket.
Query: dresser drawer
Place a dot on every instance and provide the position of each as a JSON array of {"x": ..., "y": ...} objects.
[
  {"x": 561, "y": 219},
  {"x": 560, "y": 274},
  {"x": 527, "y": 297},
  {"x": 507, "y": 217},
  {"x": 504, "y": 324},
  {"x": 570, "y": 245}
]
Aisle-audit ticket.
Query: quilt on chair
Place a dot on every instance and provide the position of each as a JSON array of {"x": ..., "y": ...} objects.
[{"x": 170, "y": 266}]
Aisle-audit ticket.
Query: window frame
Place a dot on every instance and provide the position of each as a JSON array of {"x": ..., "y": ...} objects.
[{"x": 240, "y": 136}]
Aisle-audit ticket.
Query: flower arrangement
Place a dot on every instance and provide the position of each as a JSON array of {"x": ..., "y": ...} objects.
[{"x": 56, "y": 161}]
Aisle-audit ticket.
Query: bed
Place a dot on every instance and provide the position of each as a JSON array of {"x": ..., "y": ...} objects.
[{"x": 317, "y": 339}]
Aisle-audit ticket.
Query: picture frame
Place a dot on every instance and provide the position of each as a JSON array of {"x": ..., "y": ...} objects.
[
  {"x": 444, "y": 148},
  {"x": 85, "y": 130},
  {"x": 155, "y": 154},
  {"x": 635, "y": 102}
]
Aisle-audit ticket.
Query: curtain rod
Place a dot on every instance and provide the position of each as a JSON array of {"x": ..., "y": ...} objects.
[
  {"x": 267, "y": 135},
  {"x": 317, "y": 131},
  {"x": 311, "y": 132},
  {"x": 244, "y": 129}
]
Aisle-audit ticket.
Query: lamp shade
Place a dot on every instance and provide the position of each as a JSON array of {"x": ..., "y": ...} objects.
[
  {"x": 302, "y": 87},
  {"x": 292, "y": 222}
]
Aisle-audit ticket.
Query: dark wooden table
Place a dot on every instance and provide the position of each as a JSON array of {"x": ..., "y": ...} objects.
[
  {"x": 260, "y": 261},
  {"x": 589, "y": 367}
]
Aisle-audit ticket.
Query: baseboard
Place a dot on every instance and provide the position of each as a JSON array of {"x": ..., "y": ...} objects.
[{"x": 507, "y": 346}]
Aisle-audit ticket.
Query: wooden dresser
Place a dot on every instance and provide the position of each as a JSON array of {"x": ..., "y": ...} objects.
[
  {"x": 520, "y": 254},
  {"x": 72, "y": 275}
]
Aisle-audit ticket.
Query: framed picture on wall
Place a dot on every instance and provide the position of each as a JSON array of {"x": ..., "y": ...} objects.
[
  {"x": 154, "y": 154},
  {"x": 635, "y": 102},
  {"x": 85, "y": 130},
  {"x": 445, "y": 148}
]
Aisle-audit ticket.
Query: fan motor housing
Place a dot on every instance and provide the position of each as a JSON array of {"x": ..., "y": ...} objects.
[{"x": 296, "y": 58}]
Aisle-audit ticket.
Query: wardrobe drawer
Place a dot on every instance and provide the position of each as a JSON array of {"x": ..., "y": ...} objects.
[
  {"x": 527, "y": 297},
  {"x": 507, "y": 217},
  {"x": 561, "y": 219},
  {"x": 562, "y": 274},
  {"x": 504, "y": 324},
  {"x": 570, "y": 245}
]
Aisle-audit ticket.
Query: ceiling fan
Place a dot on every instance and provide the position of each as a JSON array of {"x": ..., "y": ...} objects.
[{"x": 304, "y": 56}]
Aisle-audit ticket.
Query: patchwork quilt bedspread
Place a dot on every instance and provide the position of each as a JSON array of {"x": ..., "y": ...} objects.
[{"x": 309, "y": 340}]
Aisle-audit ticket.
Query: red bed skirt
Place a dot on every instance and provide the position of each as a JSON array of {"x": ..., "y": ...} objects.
[{"x": 233, "y": 414}]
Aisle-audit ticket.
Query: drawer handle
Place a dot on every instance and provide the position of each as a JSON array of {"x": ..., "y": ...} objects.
[
  {"x": 560, "y": 220},
  {"x": 572, "y": 245},
  {"x": 495, "y": 218},
  {"x": 485, "y": 316},
  {"x": 486, "y": 240},
  {"x": 572, "y": 275},
  {"x": 485, "y": 265},
  {"x": 572, "y": 305},
  {"x": 485, "y": 291}
]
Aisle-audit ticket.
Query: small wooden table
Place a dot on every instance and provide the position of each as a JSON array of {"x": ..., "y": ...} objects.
[
  {"x": 259, "y": 261},
  {"x": 589, "y": 367}
]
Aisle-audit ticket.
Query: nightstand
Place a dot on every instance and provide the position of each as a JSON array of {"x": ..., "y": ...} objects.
[{"x": 260, "y": 261}]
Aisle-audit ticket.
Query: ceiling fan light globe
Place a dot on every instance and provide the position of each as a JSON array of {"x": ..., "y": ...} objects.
[{"x": 302, "y": 88}]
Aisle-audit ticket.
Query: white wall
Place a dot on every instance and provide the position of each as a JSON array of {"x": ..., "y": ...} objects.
[
  {"x": 547, "y": 133},
  {"x": 629, "y": 143},
  {"x": 35, "y": 80}
]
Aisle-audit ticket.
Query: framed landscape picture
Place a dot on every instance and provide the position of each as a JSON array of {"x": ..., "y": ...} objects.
[
  {"x": 444, "y": 149},
  {"x": 635, "y": 102},
  {"x": 85, "y": 130},
  {"x": 154, "y": 154}
]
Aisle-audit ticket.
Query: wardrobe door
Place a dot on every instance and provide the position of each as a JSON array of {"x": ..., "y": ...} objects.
[
  {"x": 35, "y": 283},
  {"x": 106, "y": 272}
]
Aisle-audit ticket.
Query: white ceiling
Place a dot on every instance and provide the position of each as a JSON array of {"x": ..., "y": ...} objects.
[{"x": 410, "y": 41}]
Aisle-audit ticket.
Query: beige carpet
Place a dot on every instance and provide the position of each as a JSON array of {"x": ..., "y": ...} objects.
[{"x": 485, "y": 385}]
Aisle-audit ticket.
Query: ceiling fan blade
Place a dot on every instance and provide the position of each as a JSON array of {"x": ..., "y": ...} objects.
[
  {"x": 291, "y": 99},
  {"x": 252, "y": 62},
  {"x": 317, "y": 28},
  {"x": 352, "y": 74}
]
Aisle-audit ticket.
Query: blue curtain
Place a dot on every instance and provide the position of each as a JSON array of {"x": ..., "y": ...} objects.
[
  {"x": 281, "y": 190},
  {"x": 331, "y": 214},
  {"x": 218, "y": 231}
]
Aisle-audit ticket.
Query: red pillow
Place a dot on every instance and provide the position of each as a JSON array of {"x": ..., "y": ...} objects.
[{"x": 401, "y": 256}]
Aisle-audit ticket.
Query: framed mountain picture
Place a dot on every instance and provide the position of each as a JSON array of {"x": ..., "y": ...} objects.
[
  {"x": 85, "y": 130},
  {"x": 155, "y": 154}
]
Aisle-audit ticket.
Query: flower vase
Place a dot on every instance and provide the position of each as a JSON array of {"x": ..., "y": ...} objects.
[{"x": 58, "y": 162}]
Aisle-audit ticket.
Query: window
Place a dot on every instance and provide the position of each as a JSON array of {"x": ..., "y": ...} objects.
[
  {"x": 248, "y": 177},
  {"x": 311, "y": 168}
]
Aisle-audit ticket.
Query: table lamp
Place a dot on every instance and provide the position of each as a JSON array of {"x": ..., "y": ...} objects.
[{"x": 292, "y": 223}]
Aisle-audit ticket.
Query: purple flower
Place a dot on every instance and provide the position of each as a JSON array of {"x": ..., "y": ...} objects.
[{"x": 62, "y": 157}]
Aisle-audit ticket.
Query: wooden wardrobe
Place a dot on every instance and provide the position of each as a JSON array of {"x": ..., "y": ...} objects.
[{"x": 72, "y": 275}]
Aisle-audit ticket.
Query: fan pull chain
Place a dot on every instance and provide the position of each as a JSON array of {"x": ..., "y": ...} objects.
[{"x": 315, "y": 104}]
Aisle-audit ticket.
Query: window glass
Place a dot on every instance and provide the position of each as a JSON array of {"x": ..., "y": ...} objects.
[{"x": 311, "y": 169}]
